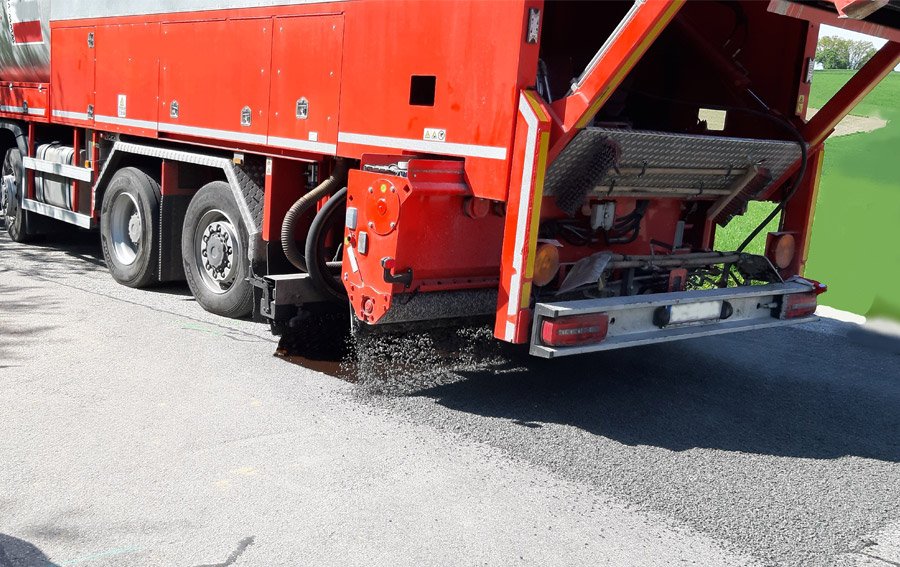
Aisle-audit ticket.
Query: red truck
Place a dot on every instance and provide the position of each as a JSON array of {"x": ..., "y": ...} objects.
[{"x": 558, "y": 167}]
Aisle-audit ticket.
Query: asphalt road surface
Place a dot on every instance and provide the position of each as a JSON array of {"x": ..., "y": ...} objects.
[{"x": 138, "y": 430}]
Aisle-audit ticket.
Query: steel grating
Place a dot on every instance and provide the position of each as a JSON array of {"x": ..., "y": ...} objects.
[{"x": 642, "y": 152}]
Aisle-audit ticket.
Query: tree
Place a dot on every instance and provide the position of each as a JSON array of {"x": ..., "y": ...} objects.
[
  {"x": 860, "y": 53},
  {"x": 837, "y": 53}
]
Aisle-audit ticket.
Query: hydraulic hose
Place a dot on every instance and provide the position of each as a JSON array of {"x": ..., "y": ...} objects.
[
  {"x": 778, "y": 121},
  {"x": 319, "y": 268},
  {"x": 337, "y": 180}
]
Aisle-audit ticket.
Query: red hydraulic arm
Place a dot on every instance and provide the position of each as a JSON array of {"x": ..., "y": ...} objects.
[
  {"x": 622, "y": 50},
  {"x": 799, "y": 212},
  {"x": 856, "y": 89}
]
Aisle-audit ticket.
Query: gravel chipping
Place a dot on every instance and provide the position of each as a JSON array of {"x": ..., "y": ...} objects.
[{"x": 782, "y": 443}]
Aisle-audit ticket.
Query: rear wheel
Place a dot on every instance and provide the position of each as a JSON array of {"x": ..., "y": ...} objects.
[
  {"x": 128, "y": 222},
  {"x": 214, "y": 246},
  {"x": 12, "y": 181}
]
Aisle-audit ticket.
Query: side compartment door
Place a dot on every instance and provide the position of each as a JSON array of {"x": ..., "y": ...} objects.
[
  {"x": 307, "y": 52},
  {"x": 72, "y": 76},
  {"x": 214, "y": 79},
  {"x": 127, "y": 78}
]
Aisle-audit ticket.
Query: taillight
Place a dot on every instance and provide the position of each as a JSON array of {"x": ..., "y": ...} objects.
[
  {"x": 798, "y": 305},
  {"x": 574, "y": 330}
]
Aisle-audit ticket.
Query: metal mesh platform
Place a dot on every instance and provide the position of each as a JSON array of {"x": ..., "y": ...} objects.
[{"x": 665, "y": 163}]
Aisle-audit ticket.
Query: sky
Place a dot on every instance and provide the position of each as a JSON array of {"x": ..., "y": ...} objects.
[{"x": 847, "y": 34}]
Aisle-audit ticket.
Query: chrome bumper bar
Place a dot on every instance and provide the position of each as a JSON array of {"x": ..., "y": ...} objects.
[{"x": 632, "y": 321}]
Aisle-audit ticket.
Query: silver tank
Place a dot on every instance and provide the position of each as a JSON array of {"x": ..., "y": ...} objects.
[{"x": 25, "y": 62}]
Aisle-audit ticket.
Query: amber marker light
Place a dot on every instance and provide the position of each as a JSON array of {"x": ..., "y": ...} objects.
[
  {"x": 780, "y": 248},
  {"x": 546, "y": 264}
]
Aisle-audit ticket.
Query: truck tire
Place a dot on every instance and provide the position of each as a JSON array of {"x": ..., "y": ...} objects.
[
  {"x": 128, "y": 228},
  {"x": 214, "y": 247},
  {"x": 12, "y": 186}
]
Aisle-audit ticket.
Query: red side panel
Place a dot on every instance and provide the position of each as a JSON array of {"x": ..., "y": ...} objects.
[
  {"x": 72, "y": 76},
  {"x": 25, "y": 100},
  {"x": 470, "y": 48},
  {"x": 305, "y": 98},
  {"x": 216, "y": 71},
  {"x": 127, "y": 78}
]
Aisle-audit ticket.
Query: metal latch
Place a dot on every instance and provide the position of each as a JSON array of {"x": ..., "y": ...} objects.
[
  {"x": 405, "y": 278},
  {"x": 90, "y": 112},
  {"x": 173, "y": 109},
  {"x": 303, "y": 108},
  {"x": 246, "y": 116}
]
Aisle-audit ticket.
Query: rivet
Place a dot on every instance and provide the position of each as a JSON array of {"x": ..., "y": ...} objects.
[
  {"x": 393, "y": 225},
  {"x": 371, "y": 224},
  {"x": 346, "y": 277}
]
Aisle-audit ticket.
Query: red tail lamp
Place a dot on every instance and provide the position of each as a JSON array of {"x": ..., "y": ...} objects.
[
  {"x": 799, "y": 305},
  {"x": 575, "y": 330}
]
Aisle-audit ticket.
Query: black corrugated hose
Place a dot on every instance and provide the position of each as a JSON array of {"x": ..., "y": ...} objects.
[{"x": 336, "y": 181}]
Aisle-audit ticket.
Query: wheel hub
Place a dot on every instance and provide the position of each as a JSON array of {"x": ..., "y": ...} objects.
[
  {"x": 8, "y": 201},
  {"x": 217, "y": 249},
  {"x": 135, "y": 228}
]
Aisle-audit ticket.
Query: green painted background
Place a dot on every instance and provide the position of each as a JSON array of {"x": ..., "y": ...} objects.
[{"x": 855, "y": 246}]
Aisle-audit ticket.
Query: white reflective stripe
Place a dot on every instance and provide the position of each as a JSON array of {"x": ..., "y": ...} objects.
[
  {"x": 354, "y": 265},
  {"x": 607, "y": 45},
  {"x": 318, "y": 147},
  {"x": 146, "y": 124},
  {"x": 210, "y": 133},
  {"x": 522, "y": 220},
  {"x": 510, "y": 334},
  {"x": 21, "y": 110},
  {"x": 466, "y": 150},
  {"x": 71, "y": 10},
  {"x": 70, "y": 115}
]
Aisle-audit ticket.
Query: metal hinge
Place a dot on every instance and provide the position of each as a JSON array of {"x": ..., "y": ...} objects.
[{"x": 91, "y": 40}]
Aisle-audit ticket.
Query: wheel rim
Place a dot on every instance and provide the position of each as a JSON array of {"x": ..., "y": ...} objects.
[
  {"x": 126, "y": 229},
  {"x": 9, "y": 207},
  {"x": 217, "y": 248}
]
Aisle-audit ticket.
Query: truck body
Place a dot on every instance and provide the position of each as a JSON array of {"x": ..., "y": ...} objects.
[{"x": 559, "y": 168}]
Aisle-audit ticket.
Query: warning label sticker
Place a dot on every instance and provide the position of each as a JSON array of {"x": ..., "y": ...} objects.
[
  {"x": 435, "y": 135},
  {"x": 123, "y": 106}
]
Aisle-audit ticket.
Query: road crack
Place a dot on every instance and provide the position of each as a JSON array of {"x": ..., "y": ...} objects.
[{"x": 241, "y": 548}]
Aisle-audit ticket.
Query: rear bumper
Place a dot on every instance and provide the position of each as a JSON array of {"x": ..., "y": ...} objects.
[{"x": 632, "y": 321}]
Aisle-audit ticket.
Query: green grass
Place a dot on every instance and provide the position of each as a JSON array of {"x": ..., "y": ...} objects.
[
  {"x": 733, "y": 235},
  {"x": 857, "y": 224}
]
